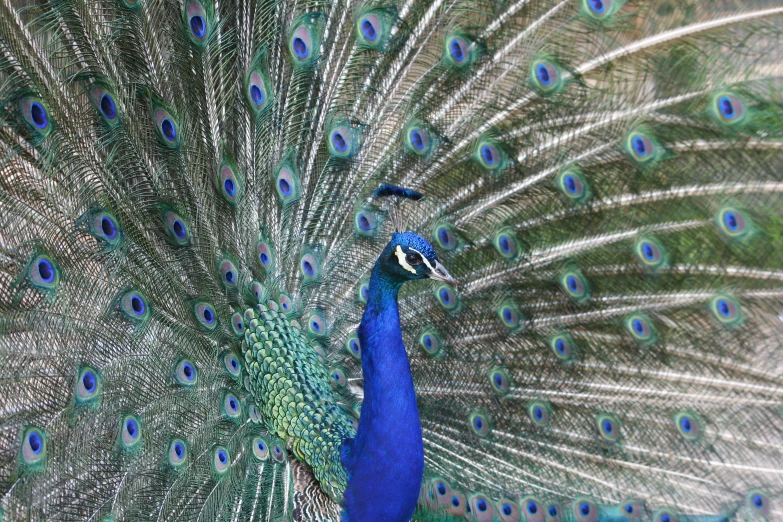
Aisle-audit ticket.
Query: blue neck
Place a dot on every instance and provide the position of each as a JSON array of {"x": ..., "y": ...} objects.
[{"x": 385, "y": 461}]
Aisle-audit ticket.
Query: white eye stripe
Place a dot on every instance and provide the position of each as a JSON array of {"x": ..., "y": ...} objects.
[
  {"x": 401, "y": 259},
  {"x": 423, "y": 258}
]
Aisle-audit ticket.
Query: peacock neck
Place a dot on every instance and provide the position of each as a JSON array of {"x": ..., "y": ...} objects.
[{"x": 387, "y": 457}]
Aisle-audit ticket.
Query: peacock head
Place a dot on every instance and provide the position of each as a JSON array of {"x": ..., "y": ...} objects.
[{"x": 409, "y": 257}]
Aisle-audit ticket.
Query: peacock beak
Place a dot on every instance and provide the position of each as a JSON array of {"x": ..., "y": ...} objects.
[{"x": 439, "y": 273}]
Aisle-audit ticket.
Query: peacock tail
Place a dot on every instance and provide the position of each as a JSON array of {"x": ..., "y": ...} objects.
[{"x": 188, "y": 226}]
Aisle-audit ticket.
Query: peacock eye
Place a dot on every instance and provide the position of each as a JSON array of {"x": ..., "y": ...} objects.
[{"x": 413, "y": 259}]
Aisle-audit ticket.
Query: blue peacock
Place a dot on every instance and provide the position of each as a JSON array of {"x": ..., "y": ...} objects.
[{"x": 370, "y": 260}]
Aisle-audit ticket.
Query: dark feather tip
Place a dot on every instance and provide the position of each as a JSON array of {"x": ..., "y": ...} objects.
[{"x": 391, "y": 190}]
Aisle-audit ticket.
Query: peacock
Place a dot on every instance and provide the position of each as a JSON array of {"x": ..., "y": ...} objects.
[{"x": 391, "y": 260}]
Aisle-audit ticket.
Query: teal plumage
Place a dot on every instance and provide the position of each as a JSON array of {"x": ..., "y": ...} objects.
[{"x": 190, "y": 222}]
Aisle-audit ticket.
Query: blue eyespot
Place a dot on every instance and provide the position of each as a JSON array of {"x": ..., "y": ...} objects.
[
  {"x": 316, "y": 325},
  {"x": 573, "y": 185},
  {"x": 45, "y": 270},
  {"x": 633, "y": 509},
  {"x": 608, "y": 427},
  {"x": 729, "y": 107},
  {"x": 510, "y": 316},
  {"x": 130, "y": 432},
  {"x": 726, "y": 310},
  {"x": 602, "y": 8},
  {"x": 177, "y": 452},
  {"x": 365, "y": 222},
  {"x": 641, "y": 329},
  {"x": 339, "y": 142},
  {"x": 509, "y": 511},
  {"x": 481, "y": 504},
  {"x": 38, "y": 115},
  {"x": 569, "y": 182},
  {"x": 487, "y": 156},
  {"x": 33, "y": 451},
  {"x": 36, "y": 442},
  {"x": 264, "y": 254},
  {"x": 198, "y": 26},
  {"x": 168, "y": 129},
  {"x": 585, "y": 510},
  {"x": 338, "y": 377},
  {"x": 228, "y": 182},
  {"x": 186, "y": 373},
  {"x": 499, "y": 379},
  {"x": 220, "y": 460},
  {"x": 86, "y": 385},
  {"x": 638, "y": 326},
  {"x": 231, "y": 405},
  {"x": 650, "y": 253},
  {"x": 417, "y": 140},
  {"x": 447, "y": 297},
  {"x": 176, "y": 228},
  {"x": 205, "y": 315},
  {"x": 543, "y": 75},
  {"x": 665, "y": 515},
  {"x": 641, "y": 147},
  {"x": 257, "y": 95},
  {"x": 134, "y": 306},
  {"x": 458, "y": 49},
  {"x": 300, "y": 48},
  {"x": 575, "y": 286},
  {"x": 552, "y": 510},
  {"x": 446, "y": 237},
  {"x": 758, "y": 502},
  {"x": 108, "y": 227},
  {"x": 277, "y": 453},
  {"x": 364, "y": 292},
  {"x": 354, "y": 347},
  {"x": 197, "y": 22},
  {"x": 490, "y": 156},
  {"x": 368, "y": 30},
  {"x": 103, "y": 226},
  {"x": 309, "y": 266},
  {"x": 596, "y": 6},
  {"x": 731, "y": 221},
  {"x": 430, "y": 341},
  {"x": 228, "y": 272},
  {"x": 231, "y": 364},
  {"x": 726, "y": 107},
  {"x": 107, "y": 107},
  {"x": 688, "y": 425},
  {"x": 35, "y": 114},
  {"x": 455, "y": 501},
  {"x": 479, "y": 424},
  {"x": 538, "y": 412},
  {"x": 260, "y": 449}
]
